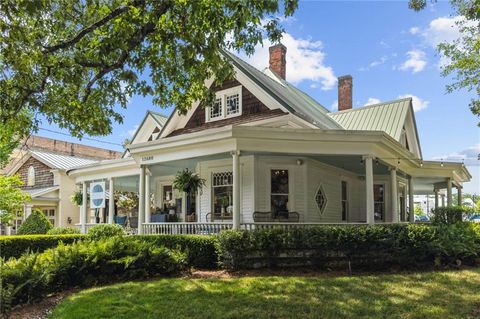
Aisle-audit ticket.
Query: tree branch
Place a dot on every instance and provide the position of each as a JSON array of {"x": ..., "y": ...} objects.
[{"x": 86, "y": 30}]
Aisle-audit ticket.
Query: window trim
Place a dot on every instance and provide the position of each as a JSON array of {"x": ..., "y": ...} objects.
[
  {"x": 223, "y": 96},
  {"x": 270, "y": 194},
  {"x": 347, "y": 200}
]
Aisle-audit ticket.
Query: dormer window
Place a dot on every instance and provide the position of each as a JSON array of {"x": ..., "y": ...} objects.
[{"x": 228, "y": 103}]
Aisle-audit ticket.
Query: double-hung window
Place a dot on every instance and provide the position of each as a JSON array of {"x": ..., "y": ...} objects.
[
  {"x": 344, "y": 201},
  {"x": 227, "y": 103},
  {"x": 379, "y": 201},
  {"x": 279, "y": 191}
]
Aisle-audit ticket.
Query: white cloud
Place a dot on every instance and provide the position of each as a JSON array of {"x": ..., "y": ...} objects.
[
  {"x": 334, "y": 106},
  {"x": 443, "y": 29},
  {"x": 469, "y": 156},
  {"x": 414, "y": 30},
  {"x": 418, "y": 103},
  {"x": 133, "y": 130},
  {"x": 305, "y": 61},
  {"x": 416, "y": 61},
  {"x": 372, "y": 100}
]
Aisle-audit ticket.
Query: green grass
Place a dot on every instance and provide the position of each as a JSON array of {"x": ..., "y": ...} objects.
[{"x": 453, "y": 294}]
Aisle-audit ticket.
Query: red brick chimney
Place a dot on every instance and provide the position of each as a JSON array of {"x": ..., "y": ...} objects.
[
  {"x": 278, "y": 63},
  {"x": 345, "y": 86}
]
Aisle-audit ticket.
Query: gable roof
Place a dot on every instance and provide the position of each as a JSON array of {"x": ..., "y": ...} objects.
[
  {"x": 159, "y": 119},
  {"x": 388, "y": 117},
  {"x": 294, "y": 100}
]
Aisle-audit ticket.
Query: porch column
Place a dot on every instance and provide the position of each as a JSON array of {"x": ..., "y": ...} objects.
[
  {"x": 141, "y": 200},
  {"x": 449, "y": 192},
  {"x": 459, "y": 196},
  {"x": 436, "y": 198},
  {"x": 394, "y": 194},
  {"x": 83, "y": 209},
  {"x": 369, "y": 190},
  {"x": 411, "y": 202},
  {"x": 147, "y": 197},
  {"x": 28, "y": 211},
  {"x": 111, "y": 202},
  {"x": 236, "y": 189}
]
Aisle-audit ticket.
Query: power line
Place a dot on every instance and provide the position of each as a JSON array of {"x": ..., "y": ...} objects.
[{"x": 84, "y": 138}]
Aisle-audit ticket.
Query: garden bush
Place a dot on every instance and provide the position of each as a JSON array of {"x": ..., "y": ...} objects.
[
  {"x": 63, "y": 231},
  {"x": 15, "y": 246},
  {"x": 200, "y": 250},
  {"x": 81, "y": 264},
  {"x": 360, "y": 247},
  {"x": 36, "y": 223},
  {"x": 451, "y": 214},
  {"x": 102, "y": 231}
]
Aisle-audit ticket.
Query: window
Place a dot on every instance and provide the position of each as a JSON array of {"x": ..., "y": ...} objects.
[
  {"x": 168, "y": 200},
  {"x": 321, "y": 199},
  {"x": 50, "y": 214},
  {"x": 228, "y": 103},
  {"x": 216, "y": 110},
  {"x": 154, "y": 134},
  {"x": 279, "y": 191},
  {"x": 379, "y": 201},
  {"x": 222, "y": 190},
  {"x": 344, "y": 201},
  {"x": 403, "y": 206},
  {"x": 31, "y": 176}
]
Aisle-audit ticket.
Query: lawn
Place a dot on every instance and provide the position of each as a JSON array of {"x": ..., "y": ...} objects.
[{"x": 452, "y": 294}]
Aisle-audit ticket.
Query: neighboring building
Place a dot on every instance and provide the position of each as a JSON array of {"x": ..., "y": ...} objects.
[
  {"x": 41, "y": 164},
  {"x": 269, "y": 153}
]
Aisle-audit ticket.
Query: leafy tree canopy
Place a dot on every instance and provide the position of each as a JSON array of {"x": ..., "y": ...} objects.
[
  {"x": 11, "y": 198},
  {"x": 463, "y": 54},
  {"x": 73, "y": 61}
]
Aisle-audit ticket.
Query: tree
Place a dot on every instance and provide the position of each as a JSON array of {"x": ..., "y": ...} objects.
[
  {"x": 462, "y": 54},
  {"x": 11, "y": 198},
  {"x": 35, "y": 224},
  {"x": 74, "y": 62}
]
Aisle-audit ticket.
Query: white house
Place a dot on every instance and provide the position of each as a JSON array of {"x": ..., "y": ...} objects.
[{"x": 272, "y": 155}]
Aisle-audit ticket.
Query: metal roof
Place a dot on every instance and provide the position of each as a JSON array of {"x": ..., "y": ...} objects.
[
  {"x": 388, "y": 117},
  {"x": 293, "y": 99},
  {"x": 159, "y": 118},
  {"x": 41, "y": 191},
  {"x": 59, "y": 161}
]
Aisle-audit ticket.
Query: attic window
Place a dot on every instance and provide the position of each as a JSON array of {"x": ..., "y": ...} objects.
[
  {"x": 228, "y": 103},
  {"x": 31, "y": 176}
]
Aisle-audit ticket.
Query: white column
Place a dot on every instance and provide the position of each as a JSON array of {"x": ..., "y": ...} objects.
[
  {"x": 369, "y": 190},
  {"x": 436, "y": 198},
  {"x": 394, "y": 194},
  {"x": 28, "y": 211},
  {"x": 411, "y": 202},
  {"x": 459, "y": 196},
  {"x": 111, "y": 202},
  {"x": 83, "y": 209},
  {"x": 236, "y": 189},
  {"x": 147, "y": 197},
  {"x": 449, "y": 192},
  {"x": 141, "y": 200}
]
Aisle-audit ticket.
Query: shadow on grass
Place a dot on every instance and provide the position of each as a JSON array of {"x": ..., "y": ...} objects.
[{"x": 451, "y": 294}]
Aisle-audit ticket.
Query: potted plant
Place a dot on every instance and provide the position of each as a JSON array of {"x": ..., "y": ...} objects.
[
  {"x": 189, "y": 183},
  {"x": 223, "y": 201}
]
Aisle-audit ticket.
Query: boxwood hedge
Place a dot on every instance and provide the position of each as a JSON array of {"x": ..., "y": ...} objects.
[{"x": 15, "y": 246}]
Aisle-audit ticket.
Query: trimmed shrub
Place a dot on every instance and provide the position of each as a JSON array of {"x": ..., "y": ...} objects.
[
  {"x": 36, "y": 223},
  {"x": 361, "y": 247},
  {"x": 63, "y": 231},
  {"x": 451, "y": 214},
  {"x": 102, "y": 231},
  {"x": 15, "y": 246},
  {"x": 200, "y": 250},
  {"x": 82, "y": 264}
]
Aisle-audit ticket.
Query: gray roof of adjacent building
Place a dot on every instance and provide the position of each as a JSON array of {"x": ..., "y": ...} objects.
[{"x": 60, "y": 161}]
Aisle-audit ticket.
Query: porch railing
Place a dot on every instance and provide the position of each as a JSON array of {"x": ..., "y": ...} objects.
[
  {"x": 185, "y": 228},
  {"x": 266, "y": 225},
  {"x": 87, "y": 226}
]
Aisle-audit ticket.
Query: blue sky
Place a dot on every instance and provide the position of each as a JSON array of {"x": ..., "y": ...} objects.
[{"x": 390, "y": 52}]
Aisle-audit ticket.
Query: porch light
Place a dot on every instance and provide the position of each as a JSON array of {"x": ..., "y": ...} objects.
[
  {"x": 299, "y": 162},
  {"x": 421, "y": 163},
  {"x": 376, "y": 161},
  {"x": 441, "y": 163}
]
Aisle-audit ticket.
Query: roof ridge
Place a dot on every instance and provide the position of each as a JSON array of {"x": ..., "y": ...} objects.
[
  {"x": 157, "y": 113},
  {"x": 371, "y": 106}
]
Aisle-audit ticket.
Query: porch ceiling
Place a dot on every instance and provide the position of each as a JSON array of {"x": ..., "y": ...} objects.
[{"x": 352, "y": 163}]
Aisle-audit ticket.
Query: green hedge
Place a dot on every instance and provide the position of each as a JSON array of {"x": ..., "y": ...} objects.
[
  {"x": 15, "y": 246},
  {"x": 82, "y": 264},
  {"x": 200, "y": 249},
  {"x": 359, "y": 247}
]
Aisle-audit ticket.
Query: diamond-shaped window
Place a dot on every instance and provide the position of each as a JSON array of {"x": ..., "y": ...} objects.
[{"x": 321, "y": 199}]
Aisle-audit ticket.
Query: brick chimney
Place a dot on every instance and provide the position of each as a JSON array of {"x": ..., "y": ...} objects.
[
  {"x": 345, "y": 86},
  {"x": 278, "y": 63}
]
